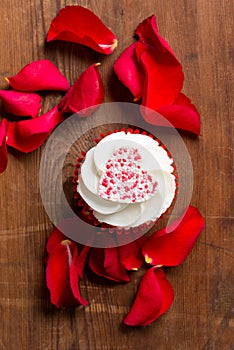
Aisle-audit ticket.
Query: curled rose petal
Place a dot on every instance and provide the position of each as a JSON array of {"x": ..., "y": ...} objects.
[
  {"x": 20, "y": 104},
  {"x": 156, "y": 76},
  {"x": 79, "y": 25},
  {"x": 155, "y": 295},
  {"x": 130, "y": 254},
  {"x": 149, "y": 67},
  {"x": 164, "y": 80},
  {"x": 3, "y": 149},
  {"x": 27, "y": 135},
  {"x": 129, "y": 71},
  {"x": 163, "y": 76},
  {"x": 62, "y": 277},
  {"x": 105, "y": 262},
  {"x": 86, "y": 93},
  {"x": 39, "y": 75},
  {"x": 171, "y": 249},
  {"x": 182, "y": 114},
  {"x": 148, "y": 34},
  {"x": 58, "y": 279}
]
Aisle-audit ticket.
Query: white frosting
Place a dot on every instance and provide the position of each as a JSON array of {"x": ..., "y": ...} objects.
[{"x": 114, "y": 209}]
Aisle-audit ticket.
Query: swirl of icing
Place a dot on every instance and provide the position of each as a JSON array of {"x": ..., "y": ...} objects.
[{"x": 127, "y": 179}]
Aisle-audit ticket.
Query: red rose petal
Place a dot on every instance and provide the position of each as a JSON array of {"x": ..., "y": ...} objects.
[
  {"x": 182, "y": 114},
  {"x": 39, "y": 75},
  {"x": 129, "y": 71},
  {"x": 159, "y": 80},
  {"x": 61, "y": 272},
  {"x": 86, "y": 93},
  {"x": 74, "y": 280},
  {"x": 27, "y": 135},
  {"x": 163, "y": 76},
  {"x": 3, "y": 149},
  {"x": 56, "y": 237},
  {"x": 79, "y": 25},
  {"x": 20, "y": 104},
  {"x": 171, "y": 249},
  {"x": 148, "y": 34},
  {"x": 58, "y": 276},
  {"x": 164, "y": 80},
  {"x": 105, "y": 262},
  {"x": 154, "y": 297},
  {"x": 130, "y": 254}
]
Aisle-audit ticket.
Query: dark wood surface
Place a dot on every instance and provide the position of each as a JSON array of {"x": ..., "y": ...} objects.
[{"x": 201, "y": 317}]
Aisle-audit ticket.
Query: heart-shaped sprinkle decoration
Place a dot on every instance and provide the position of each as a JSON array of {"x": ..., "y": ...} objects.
[{"x": 123, "y": 180}]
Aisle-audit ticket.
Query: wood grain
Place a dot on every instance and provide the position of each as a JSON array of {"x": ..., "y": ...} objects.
[{"x": 201, "y": 318}]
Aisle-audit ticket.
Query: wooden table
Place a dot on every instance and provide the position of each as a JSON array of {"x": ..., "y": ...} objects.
[{"x": 201, "y": 317}]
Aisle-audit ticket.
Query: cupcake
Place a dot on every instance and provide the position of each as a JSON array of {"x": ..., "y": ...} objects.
[{"x": 126, "y": 182}]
